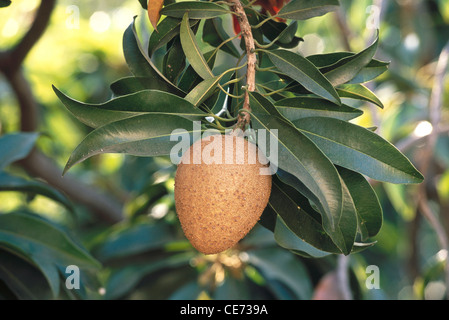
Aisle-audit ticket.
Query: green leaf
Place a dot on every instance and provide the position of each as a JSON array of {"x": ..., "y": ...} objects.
[
  {"x": 203, "y": 91},
  {"x": 305, "y": 225},
  {"x": 195, "y": 10},
  {"x": 143, "y": 135},
  {"x": 22, "y": 278},
  {"x": 286, "y": 34},
  {"x": 16, "y": 146},
  {"x": 132, "y": 239},
  {"x": 347, "y": 226},
  {"x": 306, "y": 9},
  {"x": 322, "y": 60},
  {"x": 129, "y": 85},
  {"x": 359, "y": 149},
  {"x": 139, "y": 64},
  {"x": 4, "y": 3},
  {"x": 347, "y": 68},
  {"x": 144, "y": 4},
  {"x": 174, "y": 61},
  {"x": 300, "y": 156},
  {"x": 192, "y": 50},
  {"x": 123, "y": 280},
  {"x": 167, "y": 29},
  {"x": 304, "y": 72},
  {"x": 358, "y": 92},
  {"x": 369, "y": 72},
  {"x": 190, "y": 78},
  {"x": 367, "y": 204},
  {"x": 131, "y": 105},
  {"x": 13, "y": 183},
  {"x": 288, "y": 240},
  {"x": 43, "y": 244},
  {"x": 214, "y": 34},
  {"x": 283, "y": 267},
  {"x": 302, "y": 221},
  {"x": 305, "y": 106},
  {"x": 343, "y": 235}
]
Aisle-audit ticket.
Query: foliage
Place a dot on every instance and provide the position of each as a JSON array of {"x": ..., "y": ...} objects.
[
  {"x": 336, "y": 174},
  {"x": 139, "y": 119}
]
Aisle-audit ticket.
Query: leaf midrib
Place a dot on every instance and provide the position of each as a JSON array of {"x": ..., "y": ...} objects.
[
  {"x": 305, "y": 9},
  {"x": 346, "y": 146},
  {"x": 307, "y": 171},
  {"x": 195, "y": 46},
  {"x": 303, "y": 73},
  {"x": 153, "y": 137}
]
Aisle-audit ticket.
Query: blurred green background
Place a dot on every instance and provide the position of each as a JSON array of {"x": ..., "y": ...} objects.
[{"x": 146, "y": 256}]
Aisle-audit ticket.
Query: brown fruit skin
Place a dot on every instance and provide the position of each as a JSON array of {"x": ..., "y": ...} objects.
[{"x": 218, "y": 204}]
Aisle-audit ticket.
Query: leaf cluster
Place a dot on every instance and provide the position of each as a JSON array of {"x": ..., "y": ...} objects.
[{"x": 193, "y": 70}]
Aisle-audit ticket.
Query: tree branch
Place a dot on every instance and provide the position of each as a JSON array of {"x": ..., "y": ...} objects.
[
  {"x": 105, "y": 208},
  {"x": 37, "y": 164},
  {"x": 14, "y": 57},
  {"x": 435, "y": 105},
  {"x": 244, "y": 119}
]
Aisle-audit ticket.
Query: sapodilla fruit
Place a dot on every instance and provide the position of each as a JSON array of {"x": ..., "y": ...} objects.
[{"x": 220, "y": 199}]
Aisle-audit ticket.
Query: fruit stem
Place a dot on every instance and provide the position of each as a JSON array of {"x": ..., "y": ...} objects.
[{"x": 245, "y": 27}]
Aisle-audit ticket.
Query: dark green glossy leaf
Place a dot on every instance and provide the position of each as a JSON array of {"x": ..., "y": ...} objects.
[
  {"x": 289, "y": 240},
  {"x": 274, "y": 29},
  {"x": 288, "y": 34},
  {"x": 283, "y": 267},
  {"x": 22, "y": 278},
  {"x": 4, "y": 3},
  {"x": 347, "y": 226},
  {"x": 344, "y": 234},
  {"x": 129, "y": 85},
  {"x": 13, "y": 183},
  {"x": 132, "y": 239},
  {"x": 43, "y": 244},
  {"x": 143, "y": 135},
  {"x": 174, "y": 61},
  {"x": 214, "y": 34},
  {"x": 190, "y": 78},
  {"x": 304, "y": 106},
  {"x": 347, "y": 68},
  {"x": 139, "y": 64},
  {"x": 358, "y": 92},
  {"x": 299, "y": 156},
  {"x": 123, "y": 280},
  {"x": 306, "y": 9},
  {"x": 359, "y": 149},
  {"x": 203, "y": 91},
  {"x": 366, "y": 202},
  {"x": 16, "y": 146},
  {"x": 123, "y": 107},
  {"x": 144, "y": 4},
  {"x": 369, "y": 72},
  {"x": 195, "y": 10},
  {"x": 304, "y": 72},
  {"x": 323, "y": 60},
  {"x": 305, "y": 225},
  {"x": 192, "y": 50},
  {"x": 302, "y": 221},
  {"x": 167, "y": 29}
]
